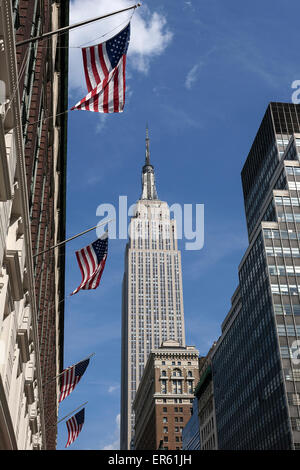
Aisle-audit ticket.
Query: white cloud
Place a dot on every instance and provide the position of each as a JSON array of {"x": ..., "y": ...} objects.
[
  {"x": 192, "y": 76},
  {"x": 115, "y": 444},
  {"x": 149, "y": 34},
  {"x": 113, "y": 388}
]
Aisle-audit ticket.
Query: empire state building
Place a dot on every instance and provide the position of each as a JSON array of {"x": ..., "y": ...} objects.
[{"x": 152, "y": 300}]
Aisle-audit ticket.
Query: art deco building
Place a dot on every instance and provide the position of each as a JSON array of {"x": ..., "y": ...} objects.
[
  {"x": 152, "y": 309},
  {"x": 163, "y": 402},
  {"x": 255, "y": 366},
  {"x": 32, "y": 213}
]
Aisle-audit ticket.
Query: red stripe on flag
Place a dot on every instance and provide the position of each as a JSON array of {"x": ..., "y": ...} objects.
[
  {"x": 102, "y": 61},
  {"x": 87, "y": 78},
  {"x": 124, "y": 81},
  {"x": 105, "y": 95},
  {"x": 116, "y": 91},
  {"x": 94, "y": 67}
]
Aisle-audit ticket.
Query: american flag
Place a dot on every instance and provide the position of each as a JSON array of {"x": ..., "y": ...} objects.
[
  {"x": 71, "y": 377},
  {"x": 91, "y": 260},
  {"x": 74, "y": 426},
  {"x": 104, "y": 69}
]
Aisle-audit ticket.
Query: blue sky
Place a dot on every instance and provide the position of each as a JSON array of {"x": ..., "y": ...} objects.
[{"x": 201, "y": 73}]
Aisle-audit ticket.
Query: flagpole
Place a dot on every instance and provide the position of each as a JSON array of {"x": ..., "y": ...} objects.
[
  {"x": 71, "y": 238},
  {"x": 62, "y": 419},
  {"x": 70, "y": 367},
  {"x": 76, "y": 25}
]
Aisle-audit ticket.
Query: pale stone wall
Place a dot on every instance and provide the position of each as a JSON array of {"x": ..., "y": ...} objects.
[{"x": 21, "y": 416}]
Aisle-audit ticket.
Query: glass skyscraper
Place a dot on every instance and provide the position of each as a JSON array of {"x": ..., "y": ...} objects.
[
  {"x": 255, "y": 369},
  {"x": 152, "y": 309}
]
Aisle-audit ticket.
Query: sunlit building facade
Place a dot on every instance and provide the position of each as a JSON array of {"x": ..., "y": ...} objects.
[{"x": 33, "y": 90}]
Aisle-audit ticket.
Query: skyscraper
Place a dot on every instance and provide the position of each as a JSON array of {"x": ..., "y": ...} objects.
[
  {"x": 152, "y": 302},
  {"x": 256, "y": 373}
]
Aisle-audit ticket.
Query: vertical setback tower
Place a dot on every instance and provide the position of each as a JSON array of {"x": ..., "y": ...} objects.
[{"x": 152, "y": 300}]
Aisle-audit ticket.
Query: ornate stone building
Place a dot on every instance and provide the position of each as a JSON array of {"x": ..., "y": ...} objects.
[
  {"x": 164, "y": 400},
  {"x": 33, "y": 90}
]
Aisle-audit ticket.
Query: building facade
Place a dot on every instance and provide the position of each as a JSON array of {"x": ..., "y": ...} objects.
[
  {"x": 255, "y": 370},
  {"x": 152, "y": 300},
  {"x": 32, "y": 211},
  {"x": 191, "y": 432},
  {"x": 206, "y": 405},
  {"x": 21, "y": 409},
  {"x": 163, "y": 402}
]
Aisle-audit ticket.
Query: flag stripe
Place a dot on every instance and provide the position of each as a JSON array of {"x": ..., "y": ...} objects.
[
  {"x": 85, "y": 66},
  {"x": 94, "y": 67},
  {"x": 116, "y": 92},
  {"x": 103, "y": 61}
]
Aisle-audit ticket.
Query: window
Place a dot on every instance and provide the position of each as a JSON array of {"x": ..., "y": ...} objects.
[
  {"x": 165, "y": 430},
  {"x": 165, "y": 419},
  {"x": 165, "y": 409},
  {"x": 295, "y": 424},
  {"x": 190, "y": 386},
  {"x": 177, "y": 386}
]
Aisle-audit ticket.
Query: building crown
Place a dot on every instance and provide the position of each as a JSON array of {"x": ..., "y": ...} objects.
[{"x": 148, "y": 177}]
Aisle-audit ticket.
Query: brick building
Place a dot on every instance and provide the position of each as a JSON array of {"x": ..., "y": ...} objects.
[
  {"x": 35, "y": 134},
  {"x": 163, "y": 403}
]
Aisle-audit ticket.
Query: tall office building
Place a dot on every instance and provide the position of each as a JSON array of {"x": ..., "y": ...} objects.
[
  {"x": 256, "y": 374},
  {"x": 152, "y": 302}
]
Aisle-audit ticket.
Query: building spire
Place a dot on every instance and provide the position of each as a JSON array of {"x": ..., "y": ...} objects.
[
  {"x": 148, "y": 177},
  {"x": 147, "y": 146}
]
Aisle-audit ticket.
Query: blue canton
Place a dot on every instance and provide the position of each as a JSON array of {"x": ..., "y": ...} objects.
[
  {"x": 100, "y": 248},
  {"x": 117, "y": 46},
  {"x": 80, "y": 368},
  {"x": 80, "y": 417}
]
